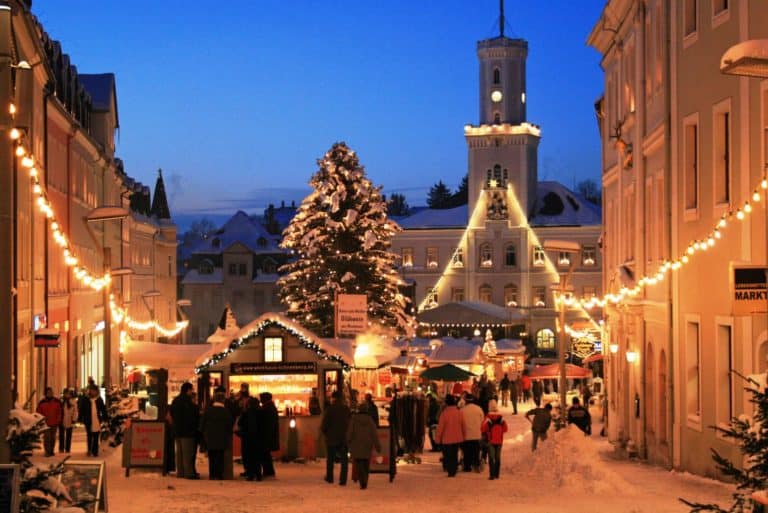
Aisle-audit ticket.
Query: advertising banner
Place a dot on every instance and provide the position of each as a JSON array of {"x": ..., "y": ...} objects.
[
  {"x": 750, "y": 290},
  {"x": 351, "y": 314}
]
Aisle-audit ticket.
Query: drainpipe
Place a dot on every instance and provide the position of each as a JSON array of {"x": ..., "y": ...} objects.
[{"x": 47, "y": 92}]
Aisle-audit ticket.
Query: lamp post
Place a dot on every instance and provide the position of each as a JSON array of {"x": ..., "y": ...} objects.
[
  {"x": 568, "y": 248},
  {"x": 101, "y": 214}
]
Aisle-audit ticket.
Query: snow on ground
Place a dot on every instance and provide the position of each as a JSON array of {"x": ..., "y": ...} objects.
[{"x": 568, "y": 473}]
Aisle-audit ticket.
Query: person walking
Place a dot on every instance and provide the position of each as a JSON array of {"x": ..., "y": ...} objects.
[
  {"x": 361, "y": 440},
  {"x": 270, "y": 433},
  {"x": 250, "y": 424},
  {"x": 450, "y": 434},
  {"x": 50, "y": 408},
  {"x": 217, "y": 426},
  {"x": 494, "y": 427},
  {"x": 538, "y": 390},
  {"x": 68, "y": 419},
  {"x": 525, "y": 383},
  {"x": 513, "y": 393},
  {"x": 579, "y": 415},
  {"x": 334, "y": 427},
  {"x": 542, "y": 419},
  {"x": 91, "y": 413},
  {"x": 373, "y": 410},
  {"x": 185, "y": 420},
  {"x": 504, "y": 389},
  {"x": 472, "y": 415}
]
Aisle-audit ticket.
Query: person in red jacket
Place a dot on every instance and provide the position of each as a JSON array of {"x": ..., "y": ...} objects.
[
  {"x": 50, "y": 408},
  {"x": 493, "y": 428}
]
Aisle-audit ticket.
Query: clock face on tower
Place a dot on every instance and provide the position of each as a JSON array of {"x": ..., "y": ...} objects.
[{"x": 496, "y": 96}]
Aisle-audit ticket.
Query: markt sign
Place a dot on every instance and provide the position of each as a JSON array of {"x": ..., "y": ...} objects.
[{"x": 750, "y": 290}]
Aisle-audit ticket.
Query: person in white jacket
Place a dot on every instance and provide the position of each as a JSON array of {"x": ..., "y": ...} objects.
[
  {"x": 473, "y": 421},
  {"x": 68, "y": 419}
]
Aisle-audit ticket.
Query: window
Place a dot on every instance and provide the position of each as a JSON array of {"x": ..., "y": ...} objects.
[
  {"x": 486, "y": 255},
  {"x": 232, "y": 269},
  {"x": 589, "y": 291},
  {"x": 273, "y": 349},
  {"x": 457, "y": 294},
  {"x": 242, "y": 269},
  {"x": 496, "y": 76},
  {"x": 723, "y": 376},
  {"x": 510, "y": 295},
  {"x": 539, "y": 297},
  {"x": 485, "y": 294},
  {"x": 496, "y": 118},
  {"x": 407, "y": 257},
  {"x": 722, "y": 156},
  {"x": 691, "y": 165},
  {"x": 689, "y": 17},
  {"x": 693, "y": 371},
  {"x": 588, "y": 256},
  {"x": 431, "y": 297},
  {"x": 545, "y": 339},
  {"x": 564, "y": 258},
  {"x": 510, "y": 256},
  {"x": 538, "y": 256},
  {"x": 206, "y": 267},
  {"x": 458, "y": 257},
  {"x": 432, "y": 258}
]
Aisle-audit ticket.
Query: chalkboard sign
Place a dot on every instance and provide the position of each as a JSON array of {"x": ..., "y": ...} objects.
[
  {"x": 86, "y": 483},
  {"x": 144, "y": 446},
  {"x": 384, "y": 462},
  {"x": 9, "y": 488}
]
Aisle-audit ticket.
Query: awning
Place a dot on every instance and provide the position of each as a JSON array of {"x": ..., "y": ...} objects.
[
  {"x": 552, "y": 371},
  {"x": 154, "y": 355},
  {"x": 471, "y": 313}
]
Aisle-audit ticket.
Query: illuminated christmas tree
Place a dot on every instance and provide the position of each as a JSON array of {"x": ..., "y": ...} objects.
[{"x": 340, "y": 239}]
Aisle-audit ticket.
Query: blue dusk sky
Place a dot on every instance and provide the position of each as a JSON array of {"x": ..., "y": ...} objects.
[{"x": 236, "y": 100}]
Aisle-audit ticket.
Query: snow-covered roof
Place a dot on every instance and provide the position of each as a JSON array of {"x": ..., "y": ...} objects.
[
  {"x": 102, "y": 90},
  {"x": 509, "y": 346},
  {"x": 239, "y": 228},
  {"x": 195, "y": 277},
  {"x": 266, "y": 278},
  {"x": 557, "y": 205},
  {"x": 154, "y": 355},
  {"x": 424, "y": 219},
  {"x": 454, "y": 351},
  {"x": 751, "y": 56}
]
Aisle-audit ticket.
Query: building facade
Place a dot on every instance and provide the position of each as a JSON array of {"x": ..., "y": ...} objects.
[
  {"x": 61, "y": 171},
  {"x": 683, "y": 150},
  {"x": 492, "y": 250}
]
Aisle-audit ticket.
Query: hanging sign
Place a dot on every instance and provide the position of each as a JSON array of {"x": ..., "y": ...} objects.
[
  {"x": 351, "y": 314},
  {"x": 47, "y": 337},
  {"x": 750, "y": 290},
  {"x": 583, "y": 347}
]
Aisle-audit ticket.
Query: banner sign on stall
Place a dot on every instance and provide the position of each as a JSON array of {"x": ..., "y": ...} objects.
[
  {"x": 351, "y": 314},
  {"x": 144, "y": 446},
  {"x": 750, "y": 290},
  {"x": 274, "y": 368},
  {"x": 9, "y": 488},
  {"x": 86, "y": 483}
]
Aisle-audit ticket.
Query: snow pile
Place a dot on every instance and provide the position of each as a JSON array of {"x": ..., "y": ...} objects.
[{"x": 566, "y": 460}]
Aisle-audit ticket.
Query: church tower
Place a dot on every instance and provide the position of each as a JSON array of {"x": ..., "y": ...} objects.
[{"x": 503, "y": 148}]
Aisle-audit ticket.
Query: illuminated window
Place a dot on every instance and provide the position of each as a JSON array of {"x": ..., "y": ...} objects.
[
  {"x": 545, "y": 339},
  {"x": 564, "y": 258},
  {"x": 588, "y": 256},
  {"x": 538, "y": 256},
  {"x": 458, "y": 257},
  {"x": 432, "y": 258},
  {"x": 485, "y": 294},
  {"x": 539, "y": 297},
  {"x": 273, "y": 349},
  {"x": 510, "y": 256},
  {"x": 510, "y": 295},
  {"x": 407, "y": 257},
  {"x": 486, "y": 255},
  {"x": 431, "y": 298}
]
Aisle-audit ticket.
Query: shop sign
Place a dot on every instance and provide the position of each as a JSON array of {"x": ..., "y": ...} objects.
[
  {"x": 583, "y": 347},
  {"x": 47, "y": 337},
  {"x": 274, "y": 368},
  {"x": 750, "y": 290},
  {"x": 351, "y": 314},
  {"x": 385, "y": 377}
]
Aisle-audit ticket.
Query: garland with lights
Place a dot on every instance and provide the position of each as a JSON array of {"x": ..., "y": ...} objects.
[{"x": 268, "y": 321}]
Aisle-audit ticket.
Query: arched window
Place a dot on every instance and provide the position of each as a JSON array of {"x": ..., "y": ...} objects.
[
  {"x": 485, "y": 294},
  {"x": 486, "y": 255},
  {"x": 206, "y": 267},
  {"x": 510, "y": 255},
  {"x": 496, "y": 76},
  {"x": 510, "y": 295},
  {"x": 545, "y": 339}
]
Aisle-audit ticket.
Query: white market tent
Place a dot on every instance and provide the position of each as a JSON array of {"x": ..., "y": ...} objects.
[{"x": 154, "y": 355}]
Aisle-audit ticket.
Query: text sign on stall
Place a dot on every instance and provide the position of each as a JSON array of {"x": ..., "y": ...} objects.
[
  {"x": 145, "y": 444},
  {"x": 384, "y": 462},
  {"x": 750, "y": 290},
  {"x": 274, "y": 368},
  {"x": 351, "y": 314},
  {"x": 9, "y": 488}
]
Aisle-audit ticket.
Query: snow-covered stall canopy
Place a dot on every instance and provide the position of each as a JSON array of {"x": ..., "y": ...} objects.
[
  {"x": 451, "y": 350},
  {"x": 154, "y": 355},
  {"x": 470, "y": 313}
]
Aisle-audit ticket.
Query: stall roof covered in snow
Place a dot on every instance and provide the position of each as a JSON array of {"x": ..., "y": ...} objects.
[
  {"x": 454, "y": 351},
  {"x": 155, "y": 355},
  {"x": 239, "y": 229}
]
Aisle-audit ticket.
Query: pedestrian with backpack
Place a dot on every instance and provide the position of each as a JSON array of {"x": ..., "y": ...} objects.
[{"x": 493, "y": 429}]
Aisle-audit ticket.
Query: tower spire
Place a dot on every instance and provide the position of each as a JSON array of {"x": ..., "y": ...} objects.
[{"x": 501, "y": 18}]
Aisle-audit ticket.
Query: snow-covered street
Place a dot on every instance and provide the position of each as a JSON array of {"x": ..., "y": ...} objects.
[{"x": 569, "y": 473}]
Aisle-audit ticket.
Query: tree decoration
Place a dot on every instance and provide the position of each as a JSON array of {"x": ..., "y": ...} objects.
[{"x": 340, "y": 239}]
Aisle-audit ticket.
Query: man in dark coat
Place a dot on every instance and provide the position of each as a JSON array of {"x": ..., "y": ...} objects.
[
  {"x": 513, "y": 391},
  {"x": 362, "y": 438},
  {"x": 91, "y": 413},
  {"x": 217, "y": 425},
  {"x": 504, "y": 389},
  {"x": 372, "y": 409},
  {"x": 579, "y": 415},
  {"x": 250, "y": 424},
  {"x": 270, "y": 433},
  {"x": 334, "y": 428},
  {"x": 185, "y": 420}
]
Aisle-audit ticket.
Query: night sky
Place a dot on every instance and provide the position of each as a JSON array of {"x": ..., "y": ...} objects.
[{"x": 235, "y": 100}]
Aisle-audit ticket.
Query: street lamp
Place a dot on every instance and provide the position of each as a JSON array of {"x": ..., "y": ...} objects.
[
  {"x": 569, "y": 248},
  {"x": 102, "y": 214}
]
